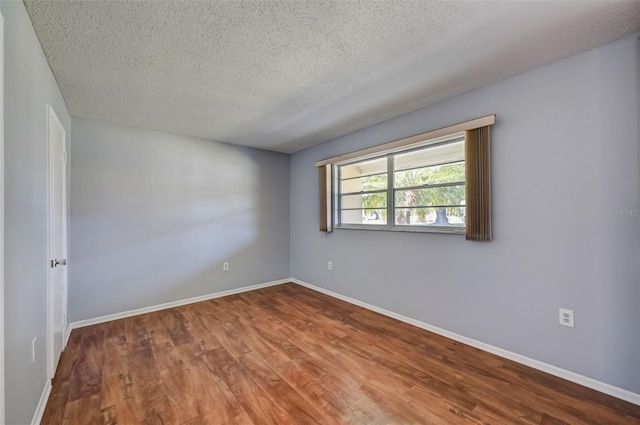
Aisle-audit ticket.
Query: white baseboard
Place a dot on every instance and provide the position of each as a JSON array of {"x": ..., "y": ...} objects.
[
  {"x": 67, "y": 333},
  {"x": 37, "y": 416},
  {"x": 602, "y": 387},
  {"x": 109, "y": 317}
]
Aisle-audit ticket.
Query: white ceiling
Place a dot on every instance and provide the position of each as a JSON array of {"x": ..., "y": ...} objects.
[{"x": 286, "y": 75}]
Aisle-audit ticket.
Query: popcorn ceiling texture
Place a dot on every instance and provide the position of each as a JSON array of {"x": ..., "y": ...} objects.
[{"x": 285, "y": 75}]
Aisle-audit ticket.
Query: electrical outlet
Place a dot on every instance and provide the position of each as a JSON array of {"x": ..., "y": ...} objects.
[
  {"x": 33, "y": 349},
  {"x": 567, "y": 318},
  {"x": 330, "y": 265},
  {"x": 225, "y": 266}
]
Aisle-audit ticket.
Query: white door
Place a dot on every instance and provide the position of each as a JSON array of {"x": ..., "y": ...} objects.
[
  {"x": 1, "y": 218},
  {"x": 57, "y": 240}
]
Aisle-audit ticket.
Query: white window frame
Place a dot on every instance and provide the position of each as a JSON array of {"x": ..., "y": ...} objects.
[{"x": 391, "y": 189}]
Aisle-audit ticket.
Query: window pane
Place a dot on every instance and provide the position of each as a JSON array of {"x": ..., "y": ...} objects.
[
  {"x": 364, "y": 216},
  {"x": 453, "y": 217},
  {"x": 364, "y": 168},
  {"x": 446, "y": 195},
  {"x": 437, "y": 174},
  {"x": 428, "y": 189},
  {"x": 364, "y": 200},
  {"x": 432, "y": 155},
  {"x": 351, "y": 217},
  {"x": 363, "y": 184}
]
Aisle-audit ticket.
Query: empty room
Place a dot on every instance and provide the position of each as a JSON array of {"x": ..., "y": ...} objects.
[{"x": 319, "y": 212}]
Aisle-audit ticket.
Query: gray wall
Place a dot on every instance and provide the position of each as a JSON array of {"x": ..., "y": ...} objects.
[
  {"x": 29, "y": 86},
  {"x": 565, "y": 150},
  {"x": 154, "y": 215}
]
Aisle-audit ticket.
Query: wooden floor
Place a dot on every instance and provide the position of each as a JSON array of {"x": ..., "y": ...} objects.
[{"x": 289, "y": 355}]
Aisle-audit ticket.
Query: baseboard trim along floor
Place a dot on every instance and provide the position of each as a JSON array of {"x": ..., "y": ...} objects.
[{"x": 42, "y": 403}]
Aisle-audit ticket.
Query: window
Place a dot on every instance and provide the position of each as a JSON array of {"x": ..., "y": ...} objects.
[
  {"x": 418, "y": 189},
  {"x": 437, "y": 181}
]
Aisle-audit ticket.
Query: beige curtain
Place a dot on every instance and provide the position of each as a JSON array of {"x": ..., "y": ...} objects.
[
  {"x": 478, "y": 187},
  {"x": 325, "y": 210}
]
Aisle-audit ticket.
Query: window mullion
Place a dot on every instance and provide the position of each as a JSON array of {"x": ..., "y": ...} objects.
[
  {"x": 430, "y": 186},
  {"x": 391, "y": 204},
  {"x": 363, "y": 192}
]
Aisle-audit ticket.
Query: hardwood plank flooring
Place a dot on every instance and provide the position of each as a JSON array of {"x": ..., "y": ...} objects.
[{"x": 288, "y": 355}]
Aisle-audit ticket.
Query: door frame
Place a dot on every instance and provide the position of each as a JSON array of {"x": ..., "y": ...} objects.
[
  {"x": 51, "y": 367},
  {"x": 2, "y": 393}
]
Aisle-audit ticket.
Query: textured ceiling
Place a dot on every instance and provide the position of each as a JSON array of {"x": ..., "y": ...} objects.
[{"x": 285, "y": 75}]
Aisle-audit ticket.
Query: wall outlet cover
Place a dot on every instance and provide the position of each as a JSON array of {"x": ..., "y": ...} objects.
[{"x": 567, "y": 318}]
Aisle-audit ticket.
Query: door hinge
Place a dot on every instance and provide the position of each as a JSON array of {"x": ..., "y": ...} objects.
[{"x": 64, "y": 157}]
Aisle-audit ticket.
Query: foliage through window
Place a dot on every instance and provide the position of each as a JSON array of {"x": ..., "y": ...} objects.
[{"x": 418, "y": 189}]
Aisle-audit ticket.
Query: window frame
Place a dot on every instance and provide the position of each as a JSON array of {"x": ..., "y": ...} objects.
[
  {"x": 477, "y": 173},
  {"x": 391, "y": 189}
]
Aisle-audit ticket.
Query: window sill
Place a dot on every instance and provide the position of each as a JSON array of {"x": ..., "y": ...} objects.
[{"x": 409, "y": 229}]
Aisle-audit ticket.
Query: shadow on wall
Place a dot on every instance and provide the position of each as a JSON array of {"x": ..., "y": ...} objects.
[{"x": 158, "y": 217}]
